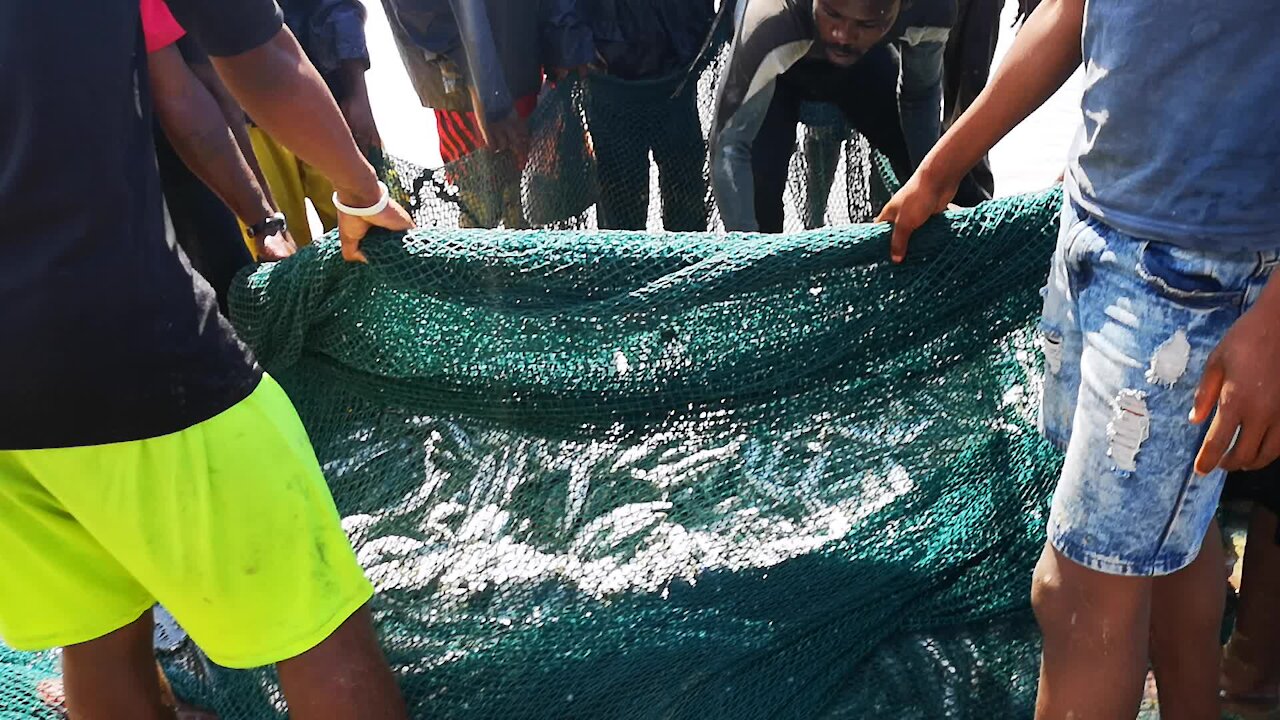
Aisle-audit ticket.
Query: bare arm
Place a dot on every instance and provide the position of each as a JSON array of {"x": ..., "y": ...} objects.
[
  {"x": 285, "y": 95},
  {"x": 199, "y": 133},
  {"x": 356, "y": 107},
  {"x": 234, "y": 115},
  {"x": 1044, "y": 55},
  {"x": 273, "y": 82}
]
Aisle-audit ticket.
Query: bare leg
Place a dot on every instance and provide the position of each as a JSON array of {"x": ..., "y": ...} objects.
[
  {"x": 343, "y": 678},
  {"x": 1186, "y": 628},
  {"x": 115, "y": 676},
  {"x": 1095, "y": 629},
  {"x": 1251, "y": 671}
]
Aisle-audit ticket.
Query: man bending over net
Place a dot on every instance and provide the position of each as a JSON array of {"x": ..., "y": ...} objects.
[
  {"x": 784, "y": 53},
  {"x": 144, "y": 456}
]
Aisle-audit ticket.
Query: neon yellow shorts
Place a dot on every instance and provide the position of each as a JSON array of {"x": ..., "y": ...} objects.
[{"x": 229, "y": 524}]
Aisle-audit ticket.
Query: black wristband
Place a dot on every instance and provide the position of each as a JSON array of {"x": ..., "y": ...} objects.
[{"x": 268, "y": 227}]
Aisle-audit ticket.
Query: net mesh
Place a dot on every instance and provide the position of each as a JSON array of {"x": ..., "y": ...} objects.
[
  {"x": 639, "y": 475},
  {"x": 607, "y": 153},
  {"x": 609, "y": 474},
  {"x": 624, "y": 475}
]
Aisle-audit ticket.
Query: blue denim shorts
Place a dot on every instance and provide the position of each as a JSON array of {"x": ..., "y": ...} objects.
[{"x": 1128, "y": 327}]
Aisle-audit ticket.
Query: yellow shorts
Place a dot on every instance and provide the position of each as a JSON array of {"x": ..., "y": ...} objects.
[
  {"x": 229, "y": 524},
  {"x": 292, "y": 183}
]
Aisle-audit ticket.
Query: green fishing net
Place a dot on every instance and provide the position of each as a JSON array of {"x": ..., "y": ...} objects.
[
  {"x": 627, "y": 475},
  {"x": 609, "y": 474},
  {"x": 619, "y": 475}
]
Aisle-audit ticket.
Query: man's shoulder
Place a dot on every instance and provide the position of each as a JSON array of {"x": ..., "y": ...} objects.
[
  {"x": 775, "y": 15},
  {"x": 763, "y": 25}
]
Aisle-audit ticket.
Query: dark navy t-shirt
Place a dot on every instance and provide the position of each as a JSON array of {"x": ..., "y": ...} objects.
[{"x": 105, "y": 333}]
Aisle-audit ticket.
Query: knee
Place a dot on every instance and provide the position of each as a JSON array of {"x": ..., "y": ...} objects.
[
  {"x": 1072, "y": 601},
  {"x": 1050, "y": 600}
]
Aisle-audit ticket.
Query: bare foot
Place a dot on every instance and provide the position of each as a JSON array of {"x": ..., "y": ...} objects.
[
  {"x": 53, "y": 694},
  {"x": 1248, "y": 678}
]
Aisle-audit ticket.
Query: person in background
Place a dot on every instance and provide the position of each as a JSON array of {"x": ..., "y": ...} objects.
[
  {"x": 479, "y": 64},
  {"x": 1251, "y": 660},
  {"x": 200, "y": 129},
  {"x": 1160, "y": 316},
  {"x": 144, "y": 456},
  {"x": 971, "y": 48},
  {"x": 920, "y": 38},
  {"x": 785, "y": 53},
  {"x": 331, "y": 33},
  {"x": 637, "y": 41}
]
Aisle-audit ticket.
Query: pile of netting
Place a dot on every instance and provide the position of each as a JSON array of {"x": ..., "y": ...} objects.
[
  {"x": 627, "y": 475},
  {"x": 632, "y": 155}
]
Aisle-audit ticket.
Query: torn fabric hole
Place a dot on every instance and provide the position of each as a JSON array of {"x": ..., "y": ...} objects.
[{"x": 1129, "y": 428}]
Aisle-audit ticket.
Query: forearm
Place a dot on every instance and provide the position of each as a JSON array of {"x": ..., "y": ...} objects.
[
  {"x": 240, "y": 131},
  {"x": 271, "y": 82},
  {"x": 352, "y": 78},
  {"x": 1045, "y": 53},
  {"x": 234, "y": 116},
  {"x": 733, "y": 184},
  {"x": 191, "y": 119},
  {"x": 208, "y": 148}
]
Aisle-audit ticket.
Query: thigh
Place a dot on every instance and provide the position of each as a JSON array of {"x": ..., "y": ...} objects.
[
  {"x": 1060, "y": 336},
  {"x": 1149, "y": 315},
  {"x": 620, "y": 140},
  {"x": 678, "y": 138},
  {"x": 284, "y": 177},
  {"x": 320, "y": 191},
  {"x": 230, "y": 525},
  {"x": 58, "y": 585}
]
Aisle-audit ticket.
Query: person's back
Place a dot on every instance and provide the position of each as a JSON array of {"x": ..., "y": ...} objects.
[
  {"x": 96, "y": 241},
  {"x": 1180, "y": 106}
]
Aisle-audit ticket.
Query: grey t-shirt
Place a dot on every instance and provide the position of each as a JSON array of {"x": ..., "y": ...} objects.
[{"x": 1180, "y": 142}]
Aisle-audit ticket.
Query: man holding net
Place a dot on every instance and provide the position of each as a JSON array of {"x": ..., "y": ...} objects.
[
  {"x": 1159, "y": 304},
  {"x": 785, "y": 53},
  {"x": 144, "y": 456}
]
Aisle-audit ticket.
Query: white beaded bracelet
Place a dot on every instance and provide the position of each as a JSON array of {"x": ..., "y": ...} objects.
[{"x": 373, "y": 209}]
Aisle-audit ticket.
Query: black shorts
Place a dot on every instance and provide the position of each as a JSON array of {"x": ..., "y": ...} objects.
[{"x": 1260, "y": 486}]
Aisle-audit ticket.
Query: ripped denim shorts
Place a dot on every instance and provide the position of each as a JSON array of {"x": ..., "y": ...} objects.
[{"x": 1127, "y": 329}]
